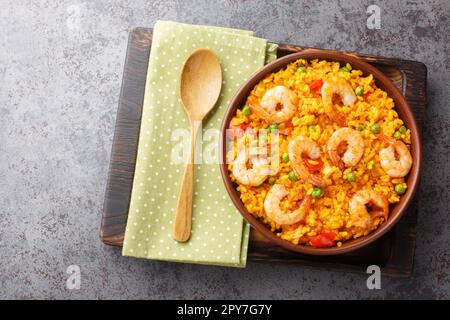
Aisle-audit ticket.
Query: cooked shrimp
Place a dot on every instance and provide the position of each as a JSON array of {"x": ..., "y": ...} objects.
[
  {"x": 396, "y": 159},
  {"x": 254, "y": 176},
  {"x": 342, "y": 88},
  {"x": 298, "y": 148},
  {"x": 353, "y": 151},
  {"x": 274, "y": 212},
  {"x": 362, "y": 201},
  {"x": 278, "y": 105}
]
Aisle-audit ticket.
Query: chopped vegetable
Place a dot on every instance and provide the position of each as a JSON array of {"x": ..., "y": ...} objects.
[
  {"x": 292, "y": 176},
  {"x": 237, "y": 131},
  {"x": 351, "y": 176},
  {"x": 301, "y": 70},
  {"x": 400, "y": 188},
  {"x": 246, "y": 111},
  {"x": 262, "y": 138},
  {"x": 312, "y": 128},
  {"x": 397, "y": 135},
  {"x": 360, "y": 127},
  {"x": 288, "y": 127},
  {"x": 402, "y": 129},
  {"x": 317, "y": 192},
  {"x": 359, "y": 91},
  {"x": 323, "y": 240},
  {"x": 272, "y": 180},
  {"x": 285, "y": 157},
  {"x": 375, "y": 128},
  {"x": 345, "y": 69},
  {"x": 286, "y": 131},
  {"x": 313, "y": 164},
  {"x": 370, "y": 165},
  {"x": 316, "y": 85},
  {"x": 365, "y": 95},
  {"x": 273, "y": 127}
]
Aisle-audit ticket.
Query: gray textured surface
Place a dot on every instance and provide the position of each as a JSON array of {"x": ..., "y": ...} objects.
[{"x": 60, "y": 73}]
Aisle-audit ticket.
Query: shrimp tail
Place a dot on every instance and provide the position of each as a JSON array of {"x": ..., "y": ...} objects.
[
  {"x": 259, "y": 111},
  {"x": 306, "y": 203},
  {"x": 339, "y": 119},
  {"x": 336, "y": 160},
  {"x": 384, "y": 138},
  {"x": 380, "y": 214},
  {"x": 304, "y": 207},
  {"x": 316, "y": 180}
]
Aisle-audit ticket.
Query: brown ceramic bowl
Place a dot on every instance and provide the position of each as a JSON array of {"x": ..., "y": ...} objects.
[{"x": 403, "y": 109}]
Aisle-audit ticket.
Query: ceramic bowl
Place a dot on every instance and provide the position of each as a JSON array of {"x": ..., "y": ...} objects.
[{"x": 396, "y": 211}]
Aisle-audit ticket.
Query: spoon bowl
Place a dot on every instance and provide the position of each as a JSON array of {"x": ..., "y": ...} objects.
[{"x": 201, "y": 81}]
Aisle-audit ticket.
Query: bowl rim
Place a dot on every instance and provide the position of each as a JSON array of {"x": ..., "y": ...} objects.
[{"x": 401, "y": 106}]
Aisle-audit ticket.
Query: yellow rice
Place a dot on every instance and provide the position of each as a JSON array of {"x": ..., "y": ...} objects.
[{"x": 329, "y": 213}]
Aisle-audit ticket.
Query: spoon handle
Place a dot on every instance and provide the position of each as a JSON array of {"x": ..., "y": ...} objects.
[{"x": 183, "y": 215}]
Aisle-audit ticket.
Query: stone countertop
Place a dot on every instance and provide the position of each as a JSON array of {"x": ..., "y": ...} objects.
[{"x": 60, "y": 74}]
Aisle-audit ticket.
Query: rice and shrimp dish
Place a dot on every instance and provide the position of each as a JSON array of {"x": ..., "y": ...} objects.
[{"x": 318, "y": 153}]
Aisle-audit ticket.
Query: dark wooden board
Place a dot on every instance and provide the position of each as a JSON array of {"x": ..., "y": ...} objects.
[{"x": 394, "y": 252}]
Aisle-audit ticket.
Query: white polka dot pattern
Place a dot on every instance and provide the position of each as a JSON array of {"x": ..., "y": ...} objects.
[{"x": 219, "y": 234}]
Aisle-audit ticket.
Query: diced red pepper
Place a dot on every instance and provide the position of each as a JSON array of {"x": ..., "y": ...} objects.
[
  {"x": 365, "y": 95},
  {"x": 316, "y": 85},
  {"x": 236, "y": 131},
  {"x": 323, "y": 240},
  {"x": 286, "y": 131},
  {"x": 313, "y": 164}
]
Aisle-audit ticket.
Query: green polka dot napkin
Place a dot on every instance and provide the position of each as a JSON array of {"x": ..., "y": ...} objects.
[{"x": 219, "y": 233}]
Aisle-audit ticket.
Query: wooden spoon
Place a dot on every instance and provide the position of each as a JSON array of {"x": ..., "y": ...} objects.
[{"x": 200, "y": 84}]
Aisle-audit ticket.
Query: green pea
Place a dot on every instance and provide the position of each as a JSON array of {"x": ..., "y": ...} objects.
[
  {"x": 301, "y": 70},
  {"x": 370, "y": 165},
  {"x": 262, "y": 139},
  {"x": 272, "y": 180},
  {"x": 273, "y": 127},
  {"x": 397, "y": 135},
  {"x": 317, "y": 192},
  {"x": 345, "y": 69},
  {"x": 351, "y": 176},
  {"x": 359, "y": 91},
  {"x": 400, "y": 188},
  {"x": 312, "y": 128},
  {"x": 375, "y": 128},
  {"x": 292, "y": 176},
  {"x": 285, "y": 157},
  {"x": 246, "y": 111},
  {"x": 360, "y": 127},
  {"x": 402, "y": 129}
]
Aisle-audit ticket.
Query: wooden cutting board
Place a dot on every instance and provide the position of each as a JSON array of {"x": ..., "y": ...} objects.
[{"x": 394, "y": 252}]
